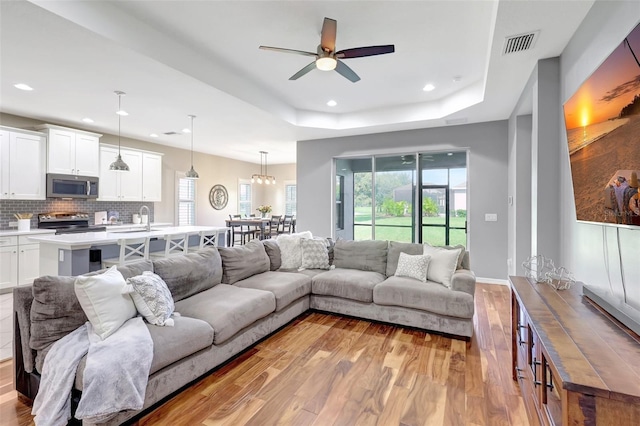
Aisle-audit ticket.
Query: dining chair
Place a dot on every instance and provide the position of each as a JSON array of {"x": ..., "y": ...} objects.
[
  {"x": 131, "y": 250},
  {"x": 274, "y": 225},
  {"x": 286, "y": 224},
  {"x": 238, "y": 230}
]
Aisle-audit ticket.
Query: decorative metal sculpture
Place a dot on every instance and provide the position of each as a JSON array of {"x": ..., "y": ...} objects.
[
  {"x": 218, "y": 197},
  {"x": 542, "y": 270}
]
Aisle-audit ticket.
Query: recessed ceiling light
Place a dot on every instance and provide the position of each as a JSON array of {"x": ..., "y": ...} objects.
[
  {"x": 429, "y": 87},
  {"x": 153, "y": 135},
  {"x": 87, "y": 120},
  {"x": 122, "y": 112},
  {"x": 332, "y": 103},
  {"x": 23, "y": 86},
  {"x": 185, "y": 130}
]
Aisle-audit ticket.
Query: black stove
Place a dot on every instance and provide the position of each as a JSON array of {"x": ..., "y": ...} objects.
[{"x": 68, "y": 222}]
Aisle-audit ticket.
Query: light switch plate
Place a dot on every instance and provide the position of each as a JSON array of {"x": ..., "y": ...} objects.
[{"x": 491, "y": 217}]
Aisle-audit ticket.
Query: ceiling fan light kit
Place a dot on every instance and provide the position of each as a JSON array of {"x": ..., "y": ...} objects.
[{"x": 327, "y": 59}]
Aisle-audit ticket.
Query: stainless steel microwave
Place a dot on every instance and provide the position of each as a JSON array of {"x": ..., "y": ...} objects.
[{"x": 71, "y": 186}]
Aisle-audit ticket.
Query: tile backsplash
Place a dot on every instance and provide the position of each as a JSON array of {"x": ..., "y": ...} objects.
[{"x": 9, "y": 207}]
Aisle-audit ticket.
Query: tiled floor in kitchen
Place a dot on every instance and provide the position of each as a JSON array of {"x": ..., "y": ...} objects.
[{"x": 6, "y": 326}]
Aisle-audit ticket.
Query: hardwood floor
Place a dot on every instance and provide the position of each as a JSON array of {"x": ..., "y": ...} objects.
[{"x": 331, "y": 370}]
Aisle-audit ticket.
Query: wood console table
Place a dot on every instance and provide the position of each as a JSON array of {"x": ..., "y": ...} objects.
[{"x": 574, "y": 365}]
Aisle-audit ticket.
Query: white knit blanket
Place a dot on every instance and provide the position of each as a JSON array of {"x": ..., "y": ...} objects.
[{"x": 115, "y": 376}]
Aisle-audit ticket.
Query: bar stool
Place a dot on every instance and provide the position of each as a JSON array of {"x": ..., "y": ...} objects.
[
  {"x": 131, "y": 250},
  {"x": 175, "y": 245},
  {"x": 207, "y": 238}
]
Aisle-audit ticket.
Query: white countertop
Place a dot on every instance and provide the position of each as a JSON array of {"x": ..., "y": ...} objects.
[
  {"x": 88, "y": 239},
  {"x": 35, "y": 231}
]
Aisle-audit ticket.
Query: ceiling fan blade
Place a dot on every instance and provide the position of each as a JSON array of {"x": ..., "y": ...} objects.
[
  {"x": 359, "y": 52},
  {"x": 346, "y": 72},
  {"x": 328, "y": 35},
  {"x": 303, "y": 71},
  {"x": 280, "y": 49}
]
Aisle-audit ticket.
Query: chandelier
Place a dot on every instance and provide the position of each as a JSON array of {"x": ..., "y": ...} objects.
[{"x": 263, "y": 176}]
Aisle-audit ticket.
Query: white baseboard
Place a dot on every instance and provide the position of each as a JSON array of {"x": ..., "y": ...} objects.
[{"x": 491, "y": 281}]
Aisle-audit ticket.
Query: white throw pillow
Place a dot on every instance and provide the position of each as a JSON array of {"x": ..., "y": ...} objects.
[
  {"x": 102, "y": 301},
  {"x": 291, "y": 250},
  {"x": 315, "y": 254},
  {"x": 415, "y": 267},
  {"x": 443, "y": 264},
  {"x": 152, "y": 298}
]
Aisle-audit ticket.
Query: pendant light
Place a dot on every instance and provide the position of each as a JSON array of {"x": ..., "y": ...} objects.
[
  {"x": 192, "y": 174},
  {"x": 119, "y": 165},
  {"x": 263, "y": 176}
]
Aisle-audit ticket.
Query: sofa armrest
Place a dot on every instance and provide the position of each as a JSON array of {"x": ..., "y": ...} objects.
[{"x": 464, "y": 280}]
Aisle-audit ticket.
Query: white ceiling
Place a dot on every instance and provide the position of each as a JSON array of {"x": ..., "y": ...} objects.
[{"x": 175, "y": 58}]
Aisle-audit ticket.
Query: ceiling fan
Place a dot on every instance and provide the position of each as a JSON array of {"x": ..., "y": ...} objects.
[{"x": 327, "y": 59}]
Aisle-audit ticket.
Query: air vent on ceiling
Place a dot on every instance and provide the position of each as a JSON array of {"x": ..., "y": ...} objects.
[
  {"x": 521, "y": 42},
  {"x": 172, "y": 133}
]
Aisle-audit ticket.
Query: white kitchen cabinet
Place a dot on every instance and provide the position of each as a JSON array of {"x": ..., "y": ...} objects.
[
  {"x": 72, "y": 151},
  {"x": 28, "y": 261},
  {"x": 22, "y": 164},
  {"x": 151, "y": 177},
  {"x": 8, "y": 262},
  {"x": 120, "y": 186}
]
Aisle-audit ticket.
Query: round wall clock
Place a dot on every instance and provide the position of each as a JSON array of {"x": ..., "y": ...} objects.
[{"x": 218, "y": 197}]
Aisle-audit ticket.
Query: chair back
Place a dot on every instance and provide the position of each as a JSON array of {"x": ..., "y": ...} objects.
[
  {"x": 286, "y": 224},
  {"x": 175, "y": 244},
  {"x": 274, "y": 224},
  {"x": 133, "y": 249},
  {"x": 208, "y": 238}
]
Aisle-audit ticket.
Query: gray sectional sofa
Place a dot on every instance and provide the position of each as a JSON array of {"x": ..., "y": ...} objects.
[{"x": 230, "y": 298}]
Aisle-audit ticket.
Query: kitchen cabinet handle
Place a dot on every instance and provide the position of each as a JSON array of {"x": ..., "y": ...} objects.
[
  {"x": 518, "y": 375},
  {"x": 536, "y": 363}
]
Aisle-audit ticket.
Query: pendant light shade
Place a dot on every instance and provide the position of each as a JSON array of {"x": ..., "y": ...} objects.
[
  {"x": 263, "y": 177},
  {"x": 119, "y": 165},
  {"x": 192, "y": 174}
]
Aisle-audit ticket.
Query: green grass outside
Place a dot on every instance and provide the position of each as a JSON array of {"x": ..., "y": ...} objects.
[{"x": 431, "y": 235}]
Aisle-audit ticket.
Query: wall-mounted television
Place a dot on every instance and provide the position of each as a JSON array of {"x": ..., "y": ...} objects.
[{"x": 602, "y": 120}]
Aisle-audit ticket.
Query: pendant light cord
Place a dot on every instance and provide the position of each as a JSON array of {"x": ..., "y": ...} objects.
[
  {"x": 192, "y": 141},
  {"x": 119, "y": 119}
]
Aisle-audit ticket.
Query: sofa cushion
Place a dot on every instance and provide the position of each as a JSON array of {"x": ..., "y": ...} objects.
[
  {"x": 395, "y": 248},
  {"x": 413, "y": 266},
  {"x": 103, "y": 300},
  {"x": 285, "y": 286},
  {"x": 241, "y": 262},
  {"x": 429, "y": 296},
  {"x": 228, "y": 308},
  {"x": 273, "y": 251},
  {"x": 362, "y": 255},
  {"x": 347, "y": 283},
  {"x": 191, "y": 273},
  {"x": 56, "y": 312},
  {"x": 463, "y": 254},
  {"x": 315, "y": 253},
  {"x": 170, "y": 344}
]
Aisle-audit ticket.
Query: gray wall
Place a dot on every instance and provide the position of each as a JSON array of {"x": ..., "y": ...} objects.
[
  {"x": 487, "y": 145},
  {"x": 586, "y": 247}
]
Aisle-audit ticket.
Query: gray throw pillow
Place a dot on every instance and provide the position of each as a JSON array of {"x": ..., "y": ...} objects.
[
  {"x": 363, "y": 255},
  {"x": 315, "y": 254},
  {"x": 243, "y": 262},
  {"x": 191, "y": 273},
  {"x": 273, "y": 251}
]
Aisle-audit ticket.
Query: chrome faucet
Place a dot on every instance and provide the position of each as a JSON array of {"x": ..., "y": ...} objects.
[{"x": 148, "y": 217}]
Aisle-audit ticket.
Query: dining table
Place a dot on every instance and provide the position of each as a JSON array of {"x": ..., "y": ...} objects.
[{"x": 262, "y": 224}]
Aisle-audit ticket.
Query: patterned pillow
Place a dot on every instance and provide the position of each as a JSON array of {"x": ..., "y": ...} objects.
[
  {"x": 413, "y": 266},
  {"x": 152, "y": 298},
  {"x": 315, "y": 254}
]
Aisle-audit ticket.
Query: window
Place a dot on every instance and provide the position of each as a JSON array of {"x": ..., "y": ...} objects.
[
  {"x": 339, "y": 202},
  {"x": 244, "y": 199},
  {"x": 186, "y": 201},
  {"x": 290, "y": 199}
]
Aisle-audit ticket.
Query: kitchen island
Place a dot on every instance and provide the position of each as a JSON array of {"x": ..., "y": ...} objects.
[{"x": 75, "y": 254}]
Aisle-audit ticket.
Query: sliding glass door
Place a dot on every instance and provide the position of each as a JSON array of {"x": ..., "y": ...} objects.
[{"x": 409, "y": 198}]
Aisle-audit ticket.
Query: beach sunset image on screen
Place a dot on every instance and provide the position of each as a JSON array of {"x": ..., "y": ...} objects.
[{"x": 603, "y": 132}]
